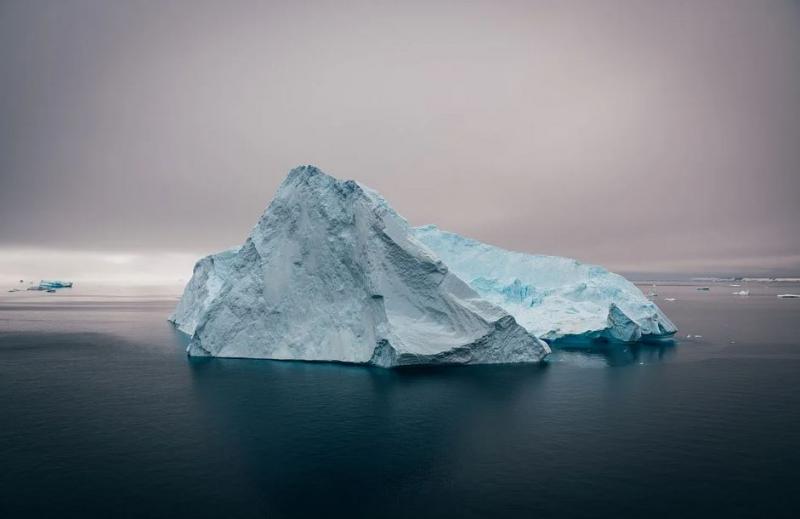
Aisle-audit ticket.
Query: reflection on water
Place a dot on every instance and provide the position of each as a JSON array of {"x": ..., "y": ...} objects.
[
  {"x": 103, "y": 413},
  {"x": 601, "y": 353}
]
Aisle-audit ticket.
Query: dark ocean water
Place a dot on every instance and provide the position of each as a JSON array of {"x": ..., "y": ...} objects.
[{"x": 103, "y": 415}]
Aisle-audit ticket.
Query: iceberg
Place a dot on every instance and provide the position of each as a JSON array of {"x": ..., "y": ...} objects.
[
  {"x": 552, "y": 297},
  {"x": 50, "y": 286},
  {"x": 332, "y": 273},
  {"x": 46, "y": 285}
]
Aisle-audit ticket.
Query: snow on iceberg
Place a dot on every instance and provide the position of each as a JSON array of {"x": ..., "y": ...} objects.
[
  {"x": 552, "y": 297},
  {"x": 332, "y": 273}
]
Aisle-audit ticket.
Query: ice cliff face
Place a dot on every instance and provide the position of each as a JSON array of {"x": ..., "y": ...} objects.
[
  {"x": 207, "y": 280},
  {"x": 332, "y": 273},
  {"x": 552, "y": 297}
]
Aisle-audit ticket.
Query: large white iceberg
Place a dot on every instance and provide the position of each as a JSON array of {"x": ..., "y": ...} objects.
[
  {"x": 552, "y": 297},
  {"x": 332, "y": 273}
]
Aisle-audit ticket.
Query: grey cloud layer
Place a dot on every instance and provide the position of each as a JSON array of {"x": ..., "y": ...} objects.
[{"x": 625, "y": 133}]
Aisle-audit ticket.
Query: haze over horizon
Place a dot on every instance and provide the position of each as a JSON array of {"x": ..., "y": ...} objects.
[{"x": 659, "y": 137}]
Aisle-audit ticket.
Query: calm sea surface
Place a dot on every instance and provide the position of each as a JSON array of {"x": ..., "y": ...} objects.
[{"x": 103, "y": 415}]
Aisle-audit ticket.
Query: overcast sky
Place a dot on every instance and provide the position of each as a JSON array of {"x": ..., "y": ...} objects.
[{"x": 645, "y": 136}]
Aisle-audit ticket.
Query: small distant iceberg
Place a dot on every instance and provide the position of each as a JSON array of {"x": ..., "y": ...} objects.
[
  {"x": 789, "y": 296},
  {"x": 48, "y": 286},
  {"x": 704, "y": 289},
  {"x": 742, "y": 293},
  {"x": 55, "y": 284}
]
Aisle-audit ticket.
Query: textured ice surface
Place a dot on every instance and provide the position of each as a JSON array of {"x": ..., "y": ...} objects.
[
  {"x": 207, "y": 280},
  {"x": 551, "y": 297},
  {"x": 331, "y": 273}
]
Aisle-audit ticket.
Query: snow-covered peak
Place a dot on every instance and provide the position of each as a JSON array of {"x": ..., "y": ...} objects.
[
  {"x": 308, "y": 185},
  {"x": 312, "y": 177}
]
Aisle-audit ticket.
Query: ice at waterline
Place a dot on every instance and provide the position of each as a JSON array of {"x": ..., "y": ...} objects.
[{"x": 332, "y": 273}]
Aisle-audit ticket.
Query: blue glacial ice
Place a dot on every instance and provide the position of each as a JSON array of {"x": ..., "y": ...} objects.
[
  {"x": 332, "y": 273},
  {"x": 55, "y": 284},
  {"x": 552, "y": 297},
  {"x": 51, "y": 286},
  {"x": 207, "y": 280}
]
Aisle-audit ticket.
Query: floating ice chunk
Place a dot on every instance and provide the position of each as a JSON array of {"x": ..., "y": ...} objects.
[
  {"x": 669, "y": 299},
  {"x": 705, "y": 289},
  {"x": 48, "y": 286},
  {"x": 789, "y": 296},
  {"x": 332, "y": 273},
  {"x": 55, "y": 284},
  {"x": 742, "y": 293}
]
